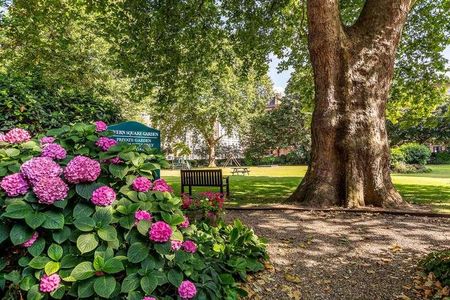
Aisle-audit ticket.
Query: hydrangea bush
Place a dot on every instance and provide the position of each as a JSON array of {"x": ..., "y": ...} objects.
[{"x": 83, "y": 217}]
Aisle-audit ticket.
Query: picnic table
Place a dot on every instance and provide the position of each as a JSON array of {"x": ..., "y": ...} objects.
[{"x": 240, "y": 170}]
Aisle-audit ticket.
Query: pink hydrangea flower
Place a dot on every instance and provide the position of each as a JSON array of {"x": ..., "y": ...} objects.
[
  {"x": 187, "y": 201},
  {"x": 2, "y": 137},
  {"x": 148, "y": 298},
  {"x": 161, "y": 186},
  {"x": 187, "y": 290},
  {"x": 105, "y": 143},
  {"x": 54, "y": 151},
  {"x": 46, "y": 140},
  {"x": 82, "y": 169},
  {"x": 40, "y": 167},
  {"x": 103, "y": 196},
  {"x": 160, "y": 232},
  {"x": 49, "y": 283},
  {"x": 142, "y": 184},
  {"x": 176, "y": 245},
  {"x": 31, "y": 241},
  {"x": 185, "y": 223},
  {"x": 50, "y": 189},
  {"x": 189, "y": 246},
  {"x": 115, "y": 160},
  {"x": 100, "y": 126},
  {"x": 17, "y": 136},
  {"x": 140, "y": 215},
  {"x": 14, "y": 185}
]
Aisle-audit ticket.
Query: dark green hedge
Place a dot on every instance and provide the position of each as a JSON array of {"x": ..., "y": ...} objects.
[{"x": 27, "y": 103}]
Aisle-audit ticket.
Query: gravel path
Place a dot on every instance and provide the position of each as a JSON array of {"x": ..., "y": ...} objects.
[{"x": 341, "y": 255}]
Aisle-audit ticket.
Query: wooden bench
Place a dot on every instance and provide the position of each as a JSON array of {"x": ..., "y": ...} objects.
[
  {"x": 192, "y": 178},
  {"x": 239, "y": 170}
]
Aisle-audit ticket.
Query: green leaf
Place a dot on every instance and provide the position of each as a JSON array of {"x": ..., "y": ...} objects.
[
  {"x": 35, "y": 219},
  {"x": 127, "y": 222},
  {"x": 61, "y": 203},
  {"x": 83, "y": 271},
  {"x": 86, "y": 190},
  {"x": 102, "y": 216},
  {"x": 59, "y": 292},
  {"x": 13, "y": 276},
  {"x": 87, "y": 242},
  {"x": 86, "y": 288},
  {"x": 84, "y": 223},
  {"x": 19, "y": 234},
  {"x": 34, "y": 294},
  {"x": 37, "y": 248},
  {"x": 27, "y": 282},
  {"x": 60, "y": 236},
  {"x": 69, "y": 261},
  {"x": 82, "y": 210},
  {"x": 104, "y": 286},
  {"x": 107, "y": 233},
  {"x": 23, "y": 261},
  {"x": 4, "y": 232},
  {"x": 113, "y": 265},
  {"x": 137, "y": 252},
  {"x": 55, "y": 252},
  {"x": 149, "y": 284},
  {"x": 130, "y": 283},
  {"x": 163, "y": 248},
  {"x": 17, "y": 209},
  {"x": 99, "y": 263},
  {"x": 12, "y": 152},
  {"x": 51, "y": 267},
  {"x": 53, "y": 220},
  {"x": 175, "y": 277},
  {"x": 143, "y": 227},
  {"x": 39, "y": 262},
  {"x": 118, "y": 171}
]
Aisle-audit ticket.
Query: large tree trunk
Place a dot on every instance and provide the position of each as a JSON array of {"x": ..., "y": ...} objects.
[{"x": 353, "y": 69}]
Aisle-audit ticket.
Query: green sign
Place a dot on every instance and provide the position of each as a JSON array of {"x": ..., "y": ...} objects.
[{"x": 136, "y": 133}]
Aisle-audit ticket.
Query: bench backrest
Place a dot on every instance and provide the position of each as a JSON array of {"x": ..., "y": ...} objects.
[{"x": 201, "y": 177}]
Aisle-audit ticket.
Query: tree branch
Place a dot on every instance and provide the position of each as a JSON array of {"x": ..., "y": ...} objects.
[{"x": 382, "y": 17}]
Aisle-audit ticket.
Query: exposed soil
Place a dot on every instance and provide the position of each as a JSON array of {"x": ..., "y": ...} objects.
[{"x": 339, "y": 255}]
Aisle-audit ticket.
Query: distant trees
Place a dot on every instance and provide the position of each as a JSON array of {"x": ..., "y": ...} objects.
[{"x": 286, "y": 126}]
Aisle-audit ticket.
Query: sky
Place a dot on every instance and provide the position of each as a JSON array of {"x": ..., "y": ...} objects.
[{"x": 280, "y": 79}]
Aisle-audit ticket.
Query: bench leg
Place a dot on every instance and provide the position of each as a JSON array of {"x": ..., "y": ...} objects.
[
  {"x": 182, "y": 189},
  {"x": 228, "y": 188},
  {"x": 221, "y": 189},
  {"x": 190, "y": 190}
]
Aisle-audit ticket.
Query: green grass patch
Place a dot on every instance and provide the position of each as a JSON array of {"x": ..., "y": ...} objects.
[{"x": 269, "y": 185}]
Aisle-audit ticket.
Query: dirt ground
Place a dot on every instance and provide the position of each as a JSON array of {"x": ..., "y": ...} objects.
[{"x": 338, "y": 255}]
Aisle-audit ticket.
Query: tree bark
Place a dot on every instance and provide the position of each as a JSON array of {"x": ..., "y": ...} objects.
[
  {"x": 353, "y": 70},
  {"x": 212, "y": 153}
]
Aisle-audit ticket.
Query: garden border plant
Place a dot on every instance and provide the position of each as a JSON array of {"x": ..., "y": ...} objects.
[{"x": 82, "y": 217}]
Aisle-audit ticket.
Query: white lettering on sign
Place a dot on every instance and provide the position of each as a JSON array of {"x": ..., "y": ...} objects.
[{"x": 130, "y": 133}]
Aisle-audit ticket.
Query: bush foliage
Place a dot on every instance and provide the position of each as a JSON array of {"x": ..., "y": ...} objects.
[
  {"x": 439, "y": 264},
  {"x": 27, "y": 103},
  {"x": 106, "y": 234}
]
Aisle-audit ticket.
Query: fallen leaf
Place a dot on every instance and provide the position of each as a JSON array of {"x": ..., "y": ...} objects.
[{"x": 292, "y": 278}]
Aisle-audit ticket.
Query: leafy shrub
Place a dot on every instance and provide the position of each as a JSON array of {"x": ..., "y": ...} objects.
[
  {"x": 206, "y": 207},
  {"x": 25, "y": 102},
  {"x": 403, "y": 168},
  {"x": 439, "y": 264},
  {"x": 440, "y": 158},
  {"x": 81, "y": 218},
  {"x": 397, "y": 156},
  {"x": 415, "y": 153}
]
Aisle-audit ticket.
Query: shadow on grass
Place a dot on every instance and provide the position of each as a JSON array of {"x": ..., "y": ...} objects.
[{"x": 259, "y": 190}]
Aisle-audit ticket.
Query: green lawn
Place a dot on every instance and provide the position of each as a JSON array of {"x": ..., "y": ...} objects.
[{"x": 273, "y": 184}]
